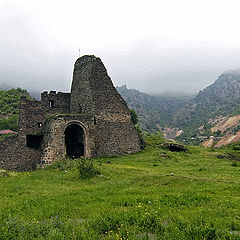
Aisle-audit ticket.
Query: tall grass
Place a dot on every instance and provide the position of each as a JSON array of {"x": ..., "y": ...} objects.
[{"x": 153, "y": 194}]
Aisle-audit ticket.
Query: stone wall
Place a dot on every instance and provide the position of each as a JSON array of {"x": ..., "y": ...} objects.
[
  {"x": 115, "y": 135},
  {"x": 14, "y": 152},
  {"x": 106, "y": 97},
  {"x": 31, "y": 116},
  {"x": 15, "y": 156},
  {"x": 82, "y": 100},
  {"x": 92, "y": 90},
  {"x": 53, "y": 102}
]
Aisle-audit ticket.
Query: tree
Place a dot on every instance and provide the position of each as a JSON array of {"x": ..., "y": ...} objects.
[{"x": 134, "y": 116}]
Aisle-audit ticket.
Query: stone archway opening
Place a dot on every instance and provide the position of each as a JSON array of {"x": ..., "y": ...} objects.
[{"x": 74, "y": 141}]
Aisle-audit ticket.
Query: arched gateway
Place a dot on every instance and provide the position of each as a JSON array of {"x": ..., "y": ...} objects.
[{"x": 74, "y": 141}]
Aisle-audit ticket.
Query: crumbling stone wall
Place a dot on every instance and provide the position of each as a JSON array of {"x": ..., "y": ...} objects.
[
  {"x": 15, "y": 156},
  {"x": 115, "y": 135},
  {"x": 60, "y": 102},
  {"x": 14, "y": 152},
  {"x": 30, "y": 115},
  {"x": 82, "y": 100}
]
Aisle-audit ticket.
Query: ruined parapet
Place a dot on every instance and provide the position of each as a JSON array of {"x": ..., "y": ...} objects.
[
  {"x": 53, "y": 102},
  {"x": 31, "y": 116},
  {"x": 32, "y": 113},
  {"x": 16, "y": 156}
]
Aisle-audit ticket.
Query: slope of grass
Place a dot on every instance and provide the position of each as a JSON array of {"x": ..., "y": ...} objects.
[{"x": 154, "y": 194}]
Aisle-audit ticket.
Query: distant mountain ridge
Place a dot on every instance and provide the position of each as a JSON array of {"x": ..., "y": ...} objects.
[
  {"x": 220, "y": 98},
  {"x": 198, "y": 116},
  {"x": 195, "y": 117},
  {"x": 154, "y": 112}
]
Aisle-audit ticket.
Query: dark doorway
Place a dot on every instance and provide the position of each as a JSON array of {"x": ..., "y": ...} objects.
[
  {"x": 34, "y": 141},
  {"x": 74, "y": 141}
]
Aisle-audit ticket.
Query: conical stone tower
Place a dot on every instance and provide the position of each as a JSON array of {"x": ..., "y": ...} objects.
[{"x": 93, "y": 94}]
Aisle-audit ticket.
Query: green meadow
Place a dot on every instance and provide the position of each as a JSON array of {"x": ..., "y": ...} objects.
[{"x": 154, "y": 194}]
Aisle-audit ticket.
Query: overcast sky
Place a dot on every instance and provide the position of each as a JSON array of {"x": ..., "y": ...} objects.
[{"x": 154, "y": 45}]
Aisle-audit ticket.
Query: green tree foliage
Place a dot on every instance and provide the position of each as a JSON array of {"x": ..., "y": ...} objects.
[
  {"x": 10, "y": 122},
  {"x": 134, "y": 116},
  {"x": 9, "y": 100},
  {"x": 9, "y": 107},
  {"x": 152, "y": 111}
]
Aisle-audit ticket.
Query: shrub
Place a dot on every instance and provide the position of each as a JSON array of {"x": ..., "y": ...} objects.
[
  {"x": 134, "y": 116},
  {"x": 10, "y": 122},
  {"x": 141, "y": 137},
  {"x": 232, "y": 146},
  {"x": 3, "y": 173},
  {"x": 234, "y": 164},
  {"x": 135, "y": 121},
  {"x": 86, "y": 168},
  {"x": 63, "y": 164},
  {"x": 154, "y": 140}
]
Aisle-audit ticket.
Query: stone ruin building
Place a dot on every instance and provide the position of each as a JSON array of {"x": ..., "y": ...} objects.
[{"x": 93, "y": 120}]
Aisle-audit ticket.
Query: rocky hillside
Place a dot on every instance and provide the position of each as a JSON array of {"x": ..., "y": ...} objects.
[
  {"x": 220, "y": 98},
  {"x": 154, "y": 112},
  {"x": 225, "y": 130}
]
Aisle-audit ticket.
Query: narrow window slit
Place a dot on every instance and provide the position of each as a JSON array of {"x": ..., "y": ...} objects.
[
  {"x": 39, "y": 124},
  {"x": 50, "y": 103}
]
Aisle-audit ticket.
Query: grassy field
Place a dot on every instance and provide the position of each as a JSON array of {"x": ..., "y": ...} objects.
[{"x": 154, "y": 194}]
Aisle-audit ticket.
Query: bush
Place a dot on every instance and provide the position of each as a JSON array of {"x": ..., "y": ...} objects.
[
  {"x": 135, "y": 121},
  {"x": 63, "y": 164},
  {"x": 141, "y": 137},
  {"x": 154, "y": 140},
  {"x": 232, "y": 146},
  {"x": 10, "y": 122},
  {"x": 234, "y": 164},
  {"x": 3, "y": 173},
  {"x": 134, "y": 116},
  {"x": 86, "y": 168}
]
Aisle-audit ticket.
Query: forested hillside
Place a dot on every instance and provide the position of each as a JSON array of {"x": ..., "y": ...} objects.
[
  {"x": 9, "y": 103},
  {"x": 154, "y": 112}
]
